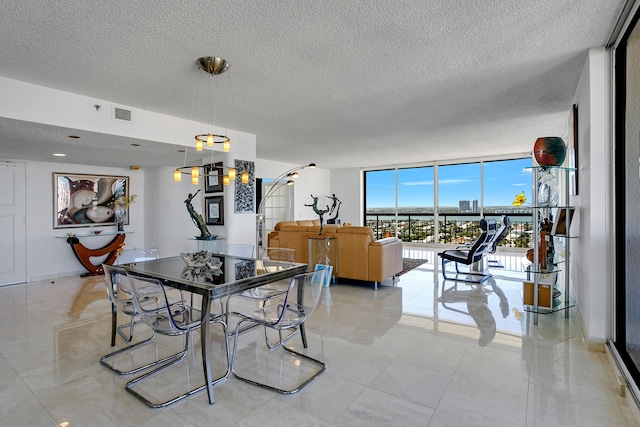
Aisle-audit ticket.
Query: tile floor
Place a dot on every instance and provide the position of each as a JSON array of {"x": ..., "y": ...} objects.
[{"x": 400, "y": 356}]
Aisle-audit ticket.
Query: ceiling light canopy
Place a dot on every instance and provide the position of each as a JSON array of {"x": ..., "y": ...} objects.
[{"x": 213, "y": 65}]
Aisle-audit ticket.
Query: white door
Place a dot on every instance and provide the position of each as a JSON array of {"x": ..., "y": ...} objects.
[{"x": 13, "y": 253}]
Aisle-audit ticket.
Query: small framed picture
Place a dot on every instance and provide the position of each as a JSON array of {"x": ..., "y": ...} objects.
[
  {"x": 214, "y": 210},
  {"x": 213, "y": 178},
  {"x": 328, "y": 270}
]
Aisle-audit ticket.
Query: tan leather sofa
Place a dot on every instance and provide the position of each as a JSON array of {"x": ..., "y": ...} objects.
[{"x": 360, "y": 257}]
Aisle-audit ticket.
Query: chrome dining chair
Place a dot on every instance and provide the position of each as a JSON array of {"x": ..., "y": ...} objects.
[
  {"x": 172, "y": 320},
  {"x": 285, "y": 311},
  {"x": 272, "y": 257},
  {"x": 240, "y": 250},
  {"x": 134, "y": 255},
  {"x": 120, "y": 294}
]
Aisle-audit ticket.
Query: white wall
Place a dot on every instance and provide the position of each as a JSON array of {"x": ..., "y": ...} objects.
[
  {"x": 347, "y": 186},
  {"x": 167, "y": 222},
  {"x": 40, "y": 104},
  {"x": 158, "y": 217},
  {"x": 592, "y": 269},
  {"x": 48, "y": 256},
  {"x": 311, "y": 181}
]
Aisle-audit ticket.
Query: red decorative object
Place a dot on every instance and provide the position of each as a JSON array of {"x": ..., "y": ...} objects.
[
  {"x": 549, "y": 151},
  {"x": 84, "y": 254}
]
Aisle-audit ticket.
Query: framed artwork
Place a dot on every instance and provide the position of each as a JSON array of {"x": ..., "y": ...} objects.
[
  {"x": 245, "y": 194},
  {"x": 213, "y": 178},
  {"x": 560, "y": 222},
  {"x": 81, "y": 200},
  {"x": 572, "y": 150},
  {"x": 214, "y": 210}
]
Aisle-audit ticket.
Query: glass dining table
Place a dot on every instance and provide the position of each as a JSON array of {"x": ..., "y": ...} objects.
[{"x": 224, "y": 275}]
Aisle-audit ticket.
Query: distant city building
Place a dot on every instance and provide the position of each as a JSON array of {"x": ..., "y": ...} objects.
[{"x": 466, "y": 206}]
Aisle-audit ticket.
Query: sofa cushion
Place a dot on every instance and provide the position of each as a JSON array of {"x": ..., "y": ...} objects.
[
  {"x": 281, "y": 224},
  {"x": 327, "y": 229},
  {"x": 294, "y": 228},
  {"x": 307, "y": 222},
  {"x": 356, "y": 230}
]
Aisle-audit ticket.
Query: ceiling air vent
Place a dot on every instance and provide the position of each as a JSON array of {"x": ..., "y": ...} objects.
[{"x": 122, "y": 114}]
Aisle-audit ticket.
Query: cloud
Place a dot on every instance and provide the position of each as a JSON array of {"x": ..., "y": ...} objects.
[
  {"x": 456, "y": 181},
  {"x": 441, "y": 182},
  {"x": 418, "y": 183},
  {"x": 520, "y": 184}
]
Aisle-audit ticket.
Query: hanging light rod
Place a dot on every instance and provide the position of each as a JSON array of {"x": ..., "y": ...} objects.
[{"x": 214, "y": 66}]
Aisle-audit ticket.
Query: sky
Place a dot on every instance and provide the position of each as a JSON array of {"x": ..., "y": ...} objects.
[{"x": 503, "y": 180}]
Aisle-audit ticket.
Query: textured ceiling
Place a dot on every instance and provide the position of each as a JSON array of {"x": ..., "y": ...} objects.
[{"x": 342, "y": 83}]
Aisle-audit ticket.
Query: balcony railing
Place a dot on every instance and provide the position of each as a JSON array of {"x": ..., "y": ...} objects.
[{"x": 456, "y": 228}]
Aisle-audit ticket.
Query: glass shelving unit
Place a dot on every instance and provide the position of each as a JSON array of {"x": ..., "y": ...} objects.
[{"x": 543, "y": 208}]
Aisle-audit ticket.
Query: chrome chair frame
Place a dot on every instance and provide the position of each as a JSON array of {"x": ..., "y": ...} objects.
[
  {"x": 281, "y": 312},
  {"x": 134, "y": 255},
  {"x": 497, "y": 238},
  {"x": 264, "y": 293},
  {"x": 163, "y": 319},
  {"x": 240, "y": 250},
  {"x": 115, "y": 289}
]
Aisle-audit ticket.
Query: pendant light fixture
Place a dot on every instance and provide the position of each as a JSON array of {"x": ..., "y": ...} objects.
[{"x": 213, "y": 66}]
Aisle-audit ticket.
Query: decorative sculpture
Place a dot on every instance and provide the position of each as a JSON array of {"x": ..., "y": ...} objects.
[
  {"x": 335, "y": 207},
  {"x": 320, "y": 212},
  {"x": 197, "y": 218},
  {"x": 549, "y": 151}
]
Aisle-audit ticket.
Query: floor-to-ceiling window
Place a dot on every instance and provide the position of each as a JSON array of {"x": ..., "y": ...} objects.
[
  {"x": 380, "y": 203},
  {"x": 459, "y": 203},
  {"x": 627, "y": 205},
  {"x": 502, "y": 181},
  {"x": 415, "y": 204},
  {"x": 442, "y": 203}
]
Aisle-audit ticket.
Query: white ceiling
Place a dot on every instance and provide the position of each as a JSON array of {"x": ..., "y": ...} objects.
[{"x": 343, "y": 83}]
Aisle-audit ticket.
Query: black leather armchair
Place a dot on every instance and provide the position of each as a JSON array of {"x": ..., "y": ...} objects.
[{"x": 468, "y": 255}]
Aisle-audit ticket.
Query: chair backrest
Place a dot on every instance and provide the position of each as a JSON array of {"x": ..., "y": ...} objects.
[
  {"x": 301, "y": 299},
  {"x": 153, "y": 307},
  {"x": 135, "y": 255},
  {"x": 488, "y": 227},
  {"x": 280, "y": 254},
  {"x": 241, "y": 250},
  {"x": 119, "y": 287},
  {"x": 500, "y": 234}
]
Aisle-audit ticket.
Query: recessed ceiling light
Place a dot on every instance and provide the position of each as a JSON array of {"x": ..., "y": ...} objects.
[
  {"x": 59, "y": 155},
  {"x": 74, "y": 136}
]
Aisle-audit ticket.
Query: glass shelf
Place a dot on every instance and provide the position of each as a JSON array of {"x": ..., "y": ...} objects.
[
  {"x": 102, "y": 233},
  {"x": 551, "y": 207},
  {"x": 544, "y": 168},
  {"x": 557, "y": 304}
]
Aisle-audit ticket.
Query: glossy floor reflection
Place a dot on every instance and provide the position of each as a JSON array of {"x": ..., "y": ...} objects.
[{"x": 421, "y": 353}]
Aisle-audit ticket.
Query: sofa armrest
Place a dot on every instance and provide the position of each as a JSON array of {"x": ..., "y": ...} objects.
[{"x": 385, "y": 258}]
